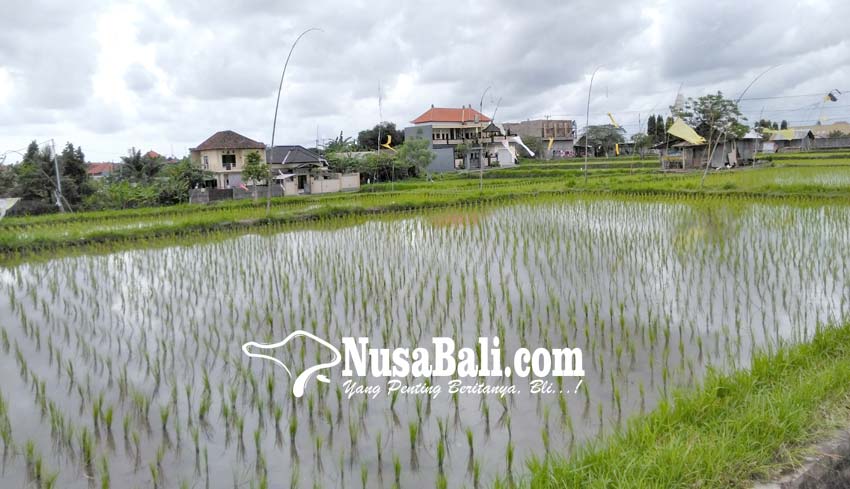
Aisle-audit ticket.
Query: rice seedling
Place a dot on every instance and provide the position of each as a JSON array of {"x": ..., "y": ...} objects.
[{"x": 732, "y": 273}]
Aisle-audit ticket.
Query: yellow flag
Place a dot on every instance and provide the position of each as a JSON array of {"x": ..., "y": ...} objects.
[
  {"x": 551, "y": 142},
  {"x": 387, "y": 144},
  {"x": 686, "y": 132},
  {"x": 617, "y": 149},
  {"x": 613, "y": 121}
]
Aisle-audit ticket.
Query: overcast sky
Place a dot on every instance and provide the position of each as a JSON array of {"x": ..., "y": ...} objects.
[{"x": 163, "y": 75}]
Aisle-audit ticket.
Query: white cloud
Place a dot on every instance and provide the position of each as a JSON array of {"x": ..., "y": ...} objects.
[{"x": 167, "y": 73}]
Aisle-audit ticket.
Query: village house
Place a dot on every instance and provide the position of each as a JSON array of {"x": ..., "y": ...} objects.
[
  {"x": 294, "y": 169},
  {"x": 300, "y": 171},
  {"x": 463, "y": 138},
  {"x": 804, "y": 138},
  {"x": 224, "y": 155},
  {"x": 98, "y": 171},
  {"x": 724, "y": 153},
  {"x": 168, "y": 160},
  {"x": 793, "y": 139},
  {"x": 557, "y": 135}
]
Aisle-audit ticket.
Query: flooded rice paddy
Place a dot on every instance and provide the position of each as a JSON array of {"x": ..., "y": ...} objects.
[{"x": 127, "y": 370}]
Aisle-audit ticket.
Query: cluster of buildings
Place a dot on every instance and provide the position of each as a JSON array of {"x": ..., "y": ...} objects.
[
  {"x": 461, "y": 139},
  {"x": 295, "y": 169},
  {"x": 465, "y": 139},
  {"x": 735, "y": 151}
]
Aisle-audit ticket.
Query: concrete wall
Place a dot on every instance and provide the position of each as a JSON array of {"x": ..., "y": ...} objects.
[
  {"x": 350, "y": 181},
  {"x": 543, "y": 128},
  {"x": 564, "y": 146},
  {"x": 262, "y": 191},
  {"x": 207, "y": 195},
  {"x": 444, "y": 155},
  {"x": 337, "y": 183},
  {"x": 444, "y": 160},
  {"x": 424, "y": 131}
]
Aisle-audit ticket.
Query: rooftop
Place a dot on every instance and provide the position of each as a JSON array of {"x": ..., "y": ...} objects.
[
  {"x": 228, "y": 140},
  {"x": 297, "y": 155},
  {"x": 442, "y": 114}
]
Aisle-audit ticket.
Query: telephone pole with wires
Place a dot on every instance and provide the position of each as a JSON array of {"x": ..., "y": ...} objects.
[{"x": 57, "y": 192}]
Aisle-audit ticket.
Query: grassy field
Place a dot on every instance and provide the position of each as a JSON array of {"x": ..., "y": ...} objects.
[
  {"x": 736, "y": 428},
  {"x": 810, "y": 177}
]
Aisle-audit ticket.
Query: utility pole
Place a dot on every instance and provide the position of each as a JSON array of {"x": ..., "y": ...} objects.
[{"x": 59, "y": 196}]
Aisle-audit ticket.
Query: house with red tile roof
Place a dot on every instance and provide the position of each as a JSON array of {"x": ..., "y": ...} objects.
[
  {"x": 463, "y": 138},
  {"x": 101, "y": 170}
]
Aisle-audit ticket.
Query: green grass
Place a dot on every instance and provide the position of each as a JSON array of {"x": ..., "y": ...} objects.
[
  {"x": 27, "y": 235},
  {"x": 736, "y": 428}
]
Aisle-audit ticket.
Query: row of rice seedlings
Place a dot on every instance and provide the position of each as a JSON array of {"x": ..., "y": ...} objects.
[{"x": 617, "y": 280}]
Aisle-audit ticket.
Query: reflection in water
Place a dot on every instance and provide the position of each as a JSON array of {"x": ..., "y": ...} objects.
[{"x": 131, "y": 364}]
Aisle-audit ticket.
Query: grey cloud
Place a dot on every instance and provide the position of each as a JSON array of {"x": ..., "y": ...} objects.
[
  {"x": 49, "y": 48},
  {"x": 138, "y": 78},
  {"x": 219, "y": 61}
]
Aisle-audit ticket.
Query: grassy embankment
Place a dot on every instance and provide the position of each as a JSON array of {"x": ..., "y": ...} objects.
[
  {"x": 736, "y": 428},
  {"x": 808, "y": 179}
]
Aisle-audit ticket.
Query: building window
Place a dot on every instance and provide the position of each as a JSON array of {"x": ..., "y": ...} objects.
[
  {"x": 228, "y": 161},
  {"x": 206, "y": 162}
]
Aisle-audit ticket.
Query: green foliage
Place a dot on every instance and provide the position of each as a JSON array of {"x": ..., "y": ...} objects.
[
  {"x": 416, "y": 155},
  {"x": 255, "y": 169},
  {"x": 123, "y": 195},
  {"x": 381, "y": 167},
  {"x": 138, "y": 168},
  {"x": 75, "y": 183},
  {"x": 339, "y": 144},
  {"x": 181, "y": 177},
  {"x": 604, "y": 136},
  {"x": 367, "y": 140},
  {"x": 745, "y": 425},
  {"x": 642, "y": 143},
  {"x": 656, "y": 128},
  {"x": 712, "y": 115},
  {"x": 765, "y": 124},
  {"x": 343, "y": 162},
  {"x": 35, "y": 175}
]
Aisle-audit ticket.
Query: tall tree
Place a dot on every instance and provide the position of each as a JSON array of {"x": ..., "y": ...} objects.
[
  {"x": 417, "y": 155},
  {"x": 606, "y": 136},
  {"x": 367, "y": 140},
  {"x": 650, "y": 127},
  {"x": 75, "y": 181},
  {"x": 783, "y": 124},
  {"x": 35, "y": 175},
  {"x": 660, "y": 129},
  {"x": 338, "y": 144},
  {"x": 713, "y": 117},
  {"x": 180, "y": 178},
  {"x": 255, "y": 170},
  {"x": 138, "y": 168}
]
